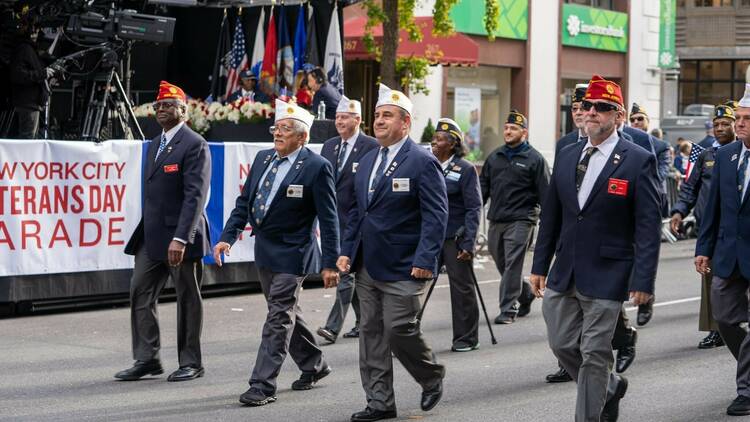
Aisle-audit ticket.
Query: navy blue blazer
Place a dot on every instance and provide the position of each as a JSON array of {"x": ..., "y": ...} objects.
[
  {"x": 284, "y": 233},
  {"x": 611, "y": 245},
  {"x": 175, "y": 191},
  {"x": 569, "y": 139},
  {"x": 330, "y": 96},
  {"x": 345, "y": 180},
  {"x": 725, "y": 230},
  {"x": 398, "y": 230},
  {"x": 464, "y": 202}
]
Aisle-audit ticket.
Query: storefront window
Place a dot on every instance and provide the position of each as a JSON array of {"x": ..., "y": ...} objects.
[
  {"x": 711, "y": 81},
  {"x": 714, "y": 3}
]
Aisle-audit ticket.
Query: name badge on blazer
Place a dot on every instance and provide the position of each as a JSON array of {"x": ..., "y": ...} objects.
[
  {"x": 171, "y": 168},
  {"x": 617, "y": 187},
  {"x": 354, "y": 167},
  {"x": 294, "y": 191},
  {"x": 400, "y": 184},
  {"x": 453, "y": 175}
]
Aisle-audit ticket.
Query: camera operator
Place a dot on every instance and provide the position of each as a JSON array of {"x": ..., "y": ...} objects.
[{"x": 28, "y": 86}]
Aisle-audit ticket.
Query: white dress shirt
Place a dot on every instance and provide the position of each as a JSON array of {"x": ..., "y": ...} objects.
[
  {"x": 171, "y": 133},
  {"x": 281, "y": 172},
  {"x": 596, "y": 164},
  {"x": 445, "y": 163},
  {"x": 349, "y": 146},
  {"x": 392, "y": 151}
]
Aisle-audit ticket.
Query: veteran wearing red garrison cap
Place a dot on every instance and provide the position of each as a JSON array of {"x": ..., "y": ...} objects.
[
  {"x": 600, "y": 216},
  {"x": 170, "y": 240}
]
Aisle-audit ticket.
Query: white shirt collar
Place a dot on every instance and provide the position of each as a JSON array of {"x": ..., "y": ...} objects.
[
  {"x": 292, "y": 156},
  {"x": 395, "y": 148},
  {"x": 445, "y": 163},
  {"x": 351, "y": 140},
  {"x": 172, "y": 132},
  {"x": 607, "y": 146}
]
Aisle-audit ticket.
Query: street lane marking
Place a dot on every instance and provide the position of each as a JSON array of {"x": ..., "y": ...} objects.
[{"x": 632, "y": 308}]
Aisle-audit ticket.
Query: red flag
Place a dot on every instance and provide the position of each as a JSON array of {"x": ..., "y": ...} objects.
[{"x": 268, "y": 71}]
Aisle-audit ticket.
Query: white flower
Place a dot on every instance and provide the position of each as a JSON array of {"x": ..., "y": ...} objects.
[{"x": 234, "y": 116}]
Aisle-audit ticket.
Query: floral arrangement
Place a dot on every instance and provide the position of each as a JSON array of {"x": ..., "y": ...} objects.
[{"x": 201, "y": 115}]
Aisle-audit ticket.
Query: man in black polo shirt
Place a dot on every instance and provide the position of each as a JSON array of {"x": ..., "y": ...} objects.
[{"x": 515, "y": 177}]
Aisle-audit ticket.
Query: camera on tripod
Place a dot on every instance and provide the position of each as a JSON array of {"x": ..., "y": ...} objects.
[{"x": 102, "y": 108}]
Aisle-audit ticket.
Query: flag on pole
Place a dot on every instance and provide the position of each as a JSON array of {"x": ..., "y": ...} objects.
[
  {"x": 334, "y": 64},
  {"x": 259, "y": 46},
  {"x": 285, "y": 55},
  {"x": 313, "y": 51},
  {"x": 221, "y": 62},
  {"x": 300, "y": 40},
  {"x": 238, "y": 59},
  {"x": 268, "y": 69},
  {"x": 695, "y": 152}
]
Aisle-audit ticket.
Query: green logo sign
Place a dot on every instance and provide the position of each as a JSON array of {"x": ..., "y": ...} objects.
[
  {"x": 599, "y": 29},
  {"x": 468, "y": 17},
  {"x": 667, "y": 57}
]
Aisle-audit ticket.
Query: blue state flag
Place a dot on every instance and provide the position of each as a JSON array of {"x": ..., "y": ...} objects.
[{"x": 300, "y": 40}]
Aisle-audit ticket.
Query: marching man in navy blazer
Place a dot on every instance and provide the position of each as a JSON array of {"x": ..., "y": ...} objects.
[
  {"x": 288, "y": 187},
  {"x": 723, "y": 249},
  {"x": 600, "y": 216},
  {"x": 344, "y": 153},
  {"x": 393, "y": 239},
  {"x": 170, "y": 240}
]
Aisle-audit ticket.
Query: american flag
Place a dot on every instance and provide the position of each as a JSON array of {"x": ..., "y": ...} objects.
[
  {"x": 237, "y": 59},
  {"x": 695, "y": 151}
]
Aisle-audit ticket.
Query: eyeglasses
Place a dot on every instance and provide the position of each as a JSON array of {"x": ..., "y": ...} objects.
[
  {"x": 164, "y": 104},
  {"x": 637, "y": 119},
  {"x": 599, "y": 107},
  {"x": 283, "y": 129}
]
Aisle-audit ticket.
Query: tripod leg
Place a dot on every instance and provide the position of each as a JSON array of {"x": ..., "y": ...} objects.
[{"x": 484, "y": 308}]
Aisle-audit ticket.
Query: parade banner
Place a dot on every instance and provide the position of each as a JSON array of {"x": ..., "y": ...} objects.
[
  {"x": 667, "y": 56},
  {"x": 67, "y": 206},
  {"x": 468, "y": 113}
]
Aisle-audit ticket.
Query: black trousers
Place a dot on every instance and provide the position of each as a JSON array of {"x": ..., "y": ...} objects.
[
  {"x": 149, "y": 278},
  {"x": 463, "y": 296}
]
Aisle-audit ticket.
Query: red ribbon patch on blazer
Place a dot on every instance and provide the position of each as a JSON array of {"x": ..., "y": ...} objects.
[
  {"x": 617, "y": 187},
  {"x": 171, "y": 168}
]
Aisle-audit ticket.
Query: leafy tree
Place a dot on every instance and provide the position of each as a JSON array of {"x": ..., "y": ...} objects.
[
  {"x": 409, "y": 73},
  {"x": 428, "y": 132}
]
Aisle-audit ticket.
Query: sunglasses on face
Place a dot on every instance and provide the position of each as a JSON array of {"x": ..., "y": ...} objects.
[
  {"x": 637, "y": 119},
  {"x": 165, "y": 105},
  {"x": 599, "y": 107}
]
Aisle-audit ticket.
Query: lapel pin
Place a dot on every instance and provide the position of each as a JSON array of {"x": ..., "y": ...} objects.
[
  {"x": 734, "y": 157},
  {"x": 617, "y": 156},
  {"x": 355, "y": 149}
]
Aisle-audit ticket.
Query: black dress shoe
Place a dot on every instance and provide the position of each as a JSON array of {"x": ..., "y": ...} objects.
[
  {"x": 713, "y": 339},
  {"x": 354, "y": 333},
  {"x": 307, "y": 380},
  {"x": 626, "y": 354},
  {"x": 186, "y": 373},
  {"x": 431, "y": 397},
  {"x": 369, "y": 415},
  {"x": 560, "y": 376},
  {"x": 645, "y": 312},
  {"x": 739, "y": 407},
  {"x": 525, "y": 307},
  {"x": 505, "y": 319},
  {"x": 255, "y": 397},
  {"x": 611, "y": 410},
  {"x": 140, "y": 369},
  {"x": 327, "y": 334}
]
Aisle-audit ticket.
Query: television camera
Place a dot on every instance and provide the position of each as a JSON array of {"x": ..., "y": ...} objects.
[{"x": 100, "y": 36}]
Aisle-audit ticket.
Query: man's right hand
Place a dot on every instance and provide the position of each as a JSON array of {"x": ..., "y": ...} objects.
[
  {"x": 221, "y": 248},
  {"x": 675, "y": 223},
  {"x": 703, "y": 264},
  {"x": 538, "y": 284},
  {"x": 343, "y": 264}
]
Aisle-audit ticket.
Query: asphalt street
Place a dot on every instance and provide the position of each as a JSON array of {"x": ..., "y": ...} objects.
[{"x": 60, "y": 366}]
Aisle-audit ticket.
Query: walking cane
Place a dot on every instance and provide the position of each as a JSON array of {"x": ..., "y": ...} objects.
[
  {"x": 484, "y": 308},
  {"x": 429, "y": 292}
]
